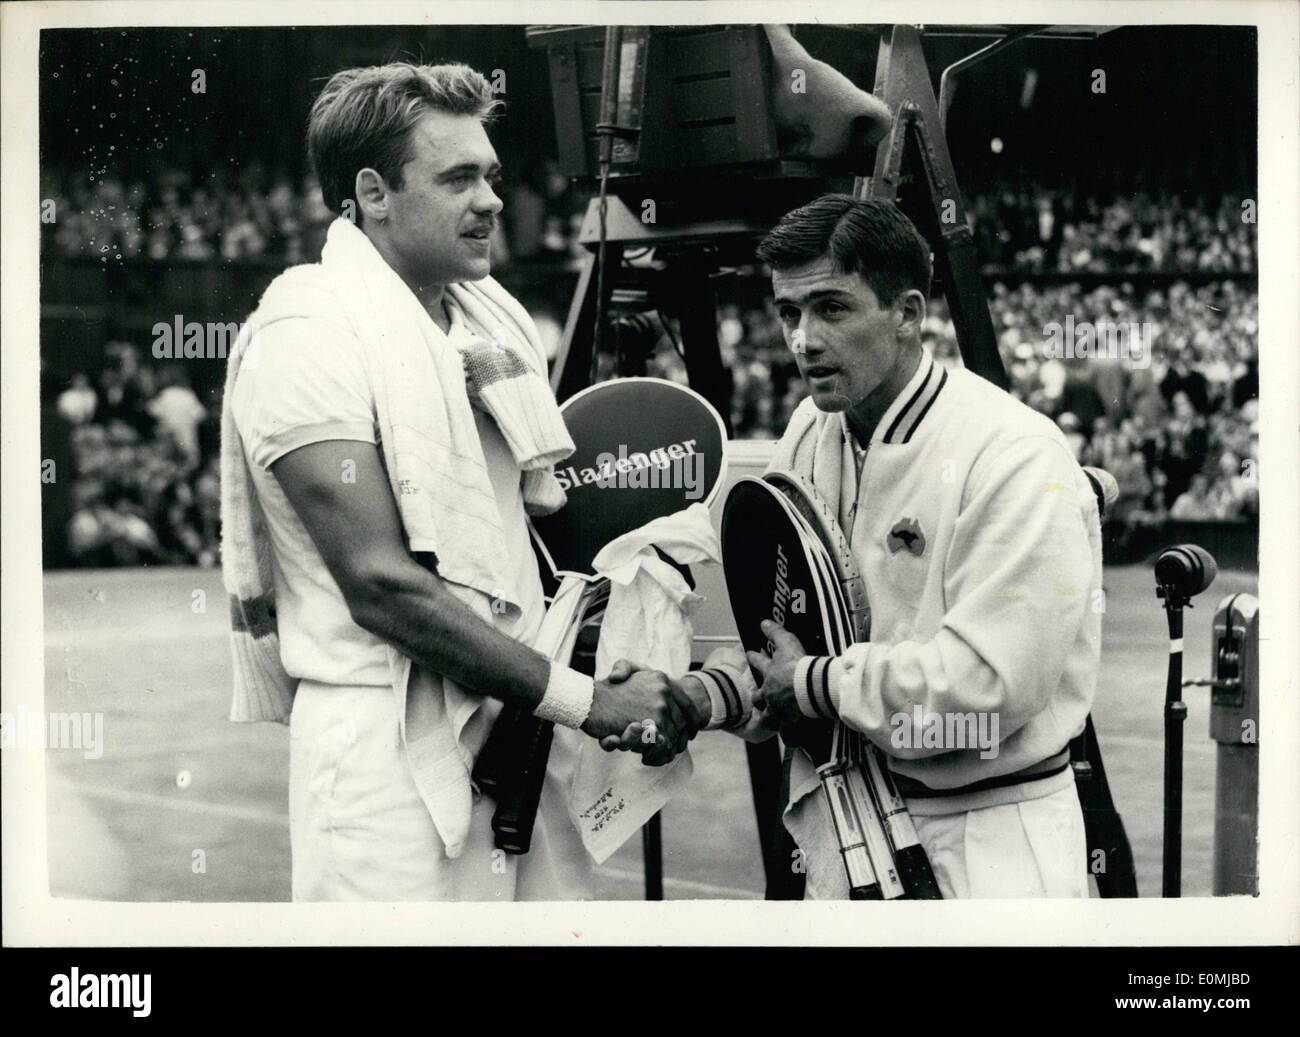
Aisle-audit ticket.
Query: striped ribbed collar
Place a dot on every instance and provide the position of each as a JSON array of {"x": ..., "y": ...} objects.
[{"x": 910, "y": 407}]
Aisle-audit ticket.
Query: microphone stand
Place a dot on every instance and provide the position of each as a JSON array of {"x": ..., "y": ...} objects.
[
  {"x": 1182, "y": 572},
  {"x": 1175, "y": 714}
]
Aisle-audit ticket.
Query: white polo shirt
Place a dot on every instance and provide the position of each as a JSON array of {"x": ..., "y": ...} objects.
[{"x": 305, "y": 382}]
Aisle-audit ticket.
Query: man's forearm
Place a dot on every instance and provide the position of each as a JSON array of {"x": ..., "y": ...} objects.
[
  {"x": 358, "y": 531},
  {"x": 417, "y": 615}
]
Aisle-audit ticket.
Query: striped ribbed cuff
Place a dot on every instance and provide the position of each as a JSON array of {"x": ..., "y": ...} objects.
[
  {"x": 812, "y": 687},
  {"x": 567, "y": 701},
  {"x": 728, "y": 707}
]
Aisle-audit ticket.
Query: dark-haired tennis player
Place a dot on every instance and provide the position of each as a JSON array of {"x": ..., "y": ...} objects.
[{"x": 978, "y": 539}]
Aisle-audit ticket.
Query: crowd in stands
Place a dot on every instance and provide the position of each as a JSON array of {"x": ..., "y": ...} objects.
[
  {"x": 1180, "y": 434},
  {"x": 1030, "y": 230},
  {"x": 145, "y": 455},
  {"x": 1033, "y": 230},
  {"x": 171, "y": 216}
]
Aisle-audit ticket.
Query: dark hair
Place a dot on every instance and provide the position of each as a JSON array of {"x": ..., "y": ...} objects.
[
  {"x": 867, "y": 237},
  {"x": 364, "y": 116}
]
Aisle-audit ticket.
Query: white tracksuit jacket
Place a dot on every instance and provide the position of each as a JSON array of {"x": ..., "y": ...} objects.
[{"x": 977, "y": 536}]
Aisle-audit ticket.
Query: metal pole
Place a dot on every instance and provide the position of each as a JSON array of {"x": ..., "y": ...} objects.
[
  {"x": 652, "y": 849},
  {"x": 606, "y": 128},
  {"x": 1175, "y": 714},
  {"x": 696, "y": 306},
  {"x": 948, "y": 81}
]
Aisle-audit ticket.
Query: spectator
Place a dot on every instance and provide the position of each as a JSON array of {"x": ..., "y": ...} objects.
[
  {"x": 89, "y": 538},
  {"x": 1135, "y": 486},
  {"x": 1245, "y": 385},
  {"x": 1069, "y": 424},
  {"x": 125, "y": 388},
  {"x": 1186, "y": 444},
  {"x": 76, "y": 404},
  {"x": 1191, "y": 383},
  {"x": 178, "y": 413},
  {"x": 1197, "y": 504},
  {"x": 134, "y": 542},
  {"x": 1081, "y": 399}
]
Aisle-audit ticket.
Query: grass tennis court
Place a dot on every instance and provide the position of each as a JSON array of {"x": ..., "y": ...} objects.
[{"x": 175, "y": 776}]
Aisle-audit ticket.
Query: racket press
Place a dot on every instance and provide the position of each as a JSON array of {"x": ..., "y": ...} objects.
[{"x": 702, "y": 200}]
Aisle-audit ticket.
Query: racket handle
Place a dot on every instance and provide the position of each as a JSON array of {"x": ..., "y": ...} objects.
[
  {"x": 516, "y": 812},
  {"x": 863, "y": 884},
  {"x": 910, "y": 858},
  {"x": 493, "y": 763},
  {"x": 873, "y": 832},
  {"x": 917, "y": 875}
]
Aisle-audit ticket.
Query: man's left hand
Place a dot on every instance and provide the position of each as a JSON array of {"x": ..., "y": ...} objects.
[{"x": 776, "y": 693}]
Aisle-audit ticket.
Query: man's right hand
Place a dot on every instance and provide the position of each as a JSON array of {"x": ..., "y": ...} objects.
[{"x": 628, "y": 698}]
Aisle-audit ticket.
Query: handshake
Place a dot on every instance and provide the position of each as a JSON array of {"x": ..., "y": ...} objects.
[{"x": 645, "y": 712}]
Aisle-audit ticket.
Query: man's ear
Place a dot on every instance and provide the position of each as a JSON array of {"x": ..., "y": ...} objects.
[
  {"x": 910, "y": 309},
  {"x": 372, "y": 195}
]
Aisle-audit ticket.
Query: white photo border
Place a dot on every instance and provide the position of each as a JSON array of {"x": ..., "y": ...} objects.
[{"x": 31, "y": 917}]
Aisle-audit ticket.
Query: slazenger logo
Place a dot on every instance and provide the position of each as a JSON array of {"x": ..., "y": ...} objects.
[
  {"x": 676, "y": 466},
  {"x": 906, "y": 535},
  {"x": 785, "y": 599},
  {"x": 781, "y": 596}
]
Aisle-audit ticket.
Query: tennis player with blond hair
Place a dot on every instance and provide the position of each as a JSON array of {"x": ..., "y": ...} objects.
[{"x": 388, "y": 427}]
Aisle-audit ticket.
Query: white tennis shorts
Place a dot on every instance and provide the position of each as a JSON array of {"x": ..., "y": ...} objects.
[
  {"x": 360, "y": 831},
  {"x": 1035, "y": 848}
]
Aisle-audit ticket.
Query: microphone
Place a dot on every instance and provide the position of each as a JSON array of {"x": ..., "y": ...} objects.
[
  {"x": 1186, "y": 570},
  {"x": 1104, "y": 486},
  {"x": 1182, "y": 572}
]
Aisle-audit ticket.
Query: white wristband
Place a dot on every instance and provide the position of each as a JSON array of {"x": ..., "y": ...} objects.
[{"x": 567, "y": 701}]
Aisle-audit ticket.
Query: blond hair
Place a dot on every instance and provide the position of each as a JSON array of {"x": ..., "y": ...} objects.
[{"x": 364, "y": 117}]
